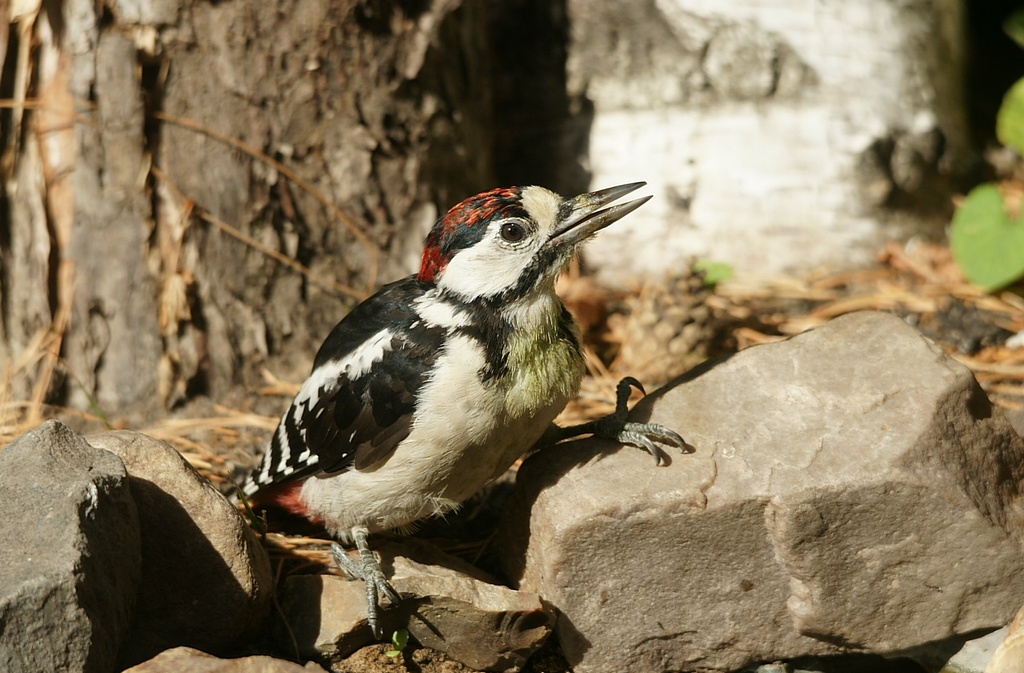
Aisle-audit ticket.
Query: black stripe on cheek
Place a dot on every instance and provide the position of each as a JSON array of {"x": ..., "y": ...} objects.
[
  {"x": 493, "y": 336},
  {"x": 544, "y": 260},
  {"x": 565, "y": 329},
  {"x": 488, "y": 328}
]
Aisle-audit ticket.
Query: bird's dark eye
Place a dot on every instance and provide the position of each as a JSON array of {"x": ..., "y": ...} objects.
[{"x": 513, "y": 232}]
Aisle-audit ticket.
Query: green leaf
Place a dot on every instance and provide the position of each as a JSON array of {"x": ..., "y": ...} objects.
[
  {"x": 1010, "y": 118},
  {"x": 1014, "y": 26},
  {"x": 399, "y": 639},
  {"x": 714, "y": 272},
  {"x": 986, "y": 242}
]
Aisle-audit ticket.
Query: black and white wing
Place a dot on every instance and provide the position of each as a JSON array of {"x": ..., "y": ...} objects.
[{"x": 358, "y": 402}]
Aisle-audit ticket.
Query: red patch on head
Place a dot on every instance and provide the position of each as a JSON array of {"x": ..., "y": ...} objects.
[
  {"x": 480, "y": 208},
  {"x": 442, "y": 241},
  {"x": 434, "y": 260}
]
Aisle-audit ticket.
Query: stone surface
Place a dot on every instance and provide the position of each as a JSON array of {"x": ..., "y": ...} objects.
[
  {"x": 325, "y": 614},
  {"x": 1009, "y": 656},
  {"x": 977, "y": 653},
  {"x": 69, "y": 560},
  {"x": 206, "y": 579},
  {"x": 182, "y": 659},
  {"x": 447, "y": 605},
  {"x": 852, "y": 490},
  {"x": 959, "y": 654}
]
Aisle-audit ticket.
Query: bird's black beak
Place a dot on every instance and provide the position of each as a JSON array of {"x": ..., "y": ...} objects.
[{"x": 581, "y": 216}]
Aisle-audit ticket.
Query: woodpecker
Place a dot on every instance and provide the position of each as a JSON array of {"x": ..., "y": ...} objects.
[{"x": 437, "y": 383}]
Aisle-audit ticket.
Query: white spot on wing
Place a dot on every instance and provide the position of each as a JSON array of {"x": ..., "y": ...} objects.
[
  {"x": 267, "y": 466},
  {"x": 324, "y": 379},
  {"x": 371, "y": 351}
]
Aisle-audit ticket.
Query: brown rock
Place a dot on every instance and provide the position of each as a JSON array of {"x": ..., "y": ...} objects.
[
  {"x": 447, "y": 606},
  {"x": 852, "y": 490},
  {"x": 182, "y": 659},
  {"x": 206, "y": 579},
  {"x": 326, "y": 615}
]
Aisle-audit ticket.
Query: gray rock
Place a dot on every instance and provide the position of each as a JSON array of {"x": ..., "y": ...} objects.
[
  {"x": 206, "y": 579},
  {"x": 447, "y": 606},
  {"x": 852, "y": 490},
  {"x": 1001, "y": 651},
  {"x": 69, "y": 560},
  {"x": 182, "y": 659},
  {"x": 972, "y": 656}
]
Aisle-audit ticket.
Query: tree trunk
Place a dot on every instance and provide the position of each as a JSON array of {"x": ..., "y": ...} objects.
[
  {"x": 219, "y": 182},
  {"x": 779, "y": 136}
]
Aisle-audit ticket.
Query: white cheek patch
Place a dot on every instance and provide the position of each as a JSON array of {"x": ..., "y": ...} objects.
[
  {"x": 487, "y": 268},
  {"x": 492, "y": 265}
]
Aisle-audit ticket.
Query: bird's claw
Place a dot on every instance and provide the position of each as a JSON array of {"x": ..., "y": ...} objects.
[
  {"x": 623, "y": 391},
  {"x": 615, "y": 427},
  {"x": 367, "y": 568},
  {"x": 643, "y": 435}
]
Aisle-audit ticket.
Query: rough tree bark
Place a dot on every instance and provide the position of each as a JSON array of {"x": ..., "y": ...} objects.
[{"x": 197, "y": 190}]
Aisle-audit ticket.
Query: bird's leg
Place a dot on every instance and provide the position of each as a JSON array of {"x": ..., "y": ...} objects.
[
  {"x": 615, "y": 427},
  {"x": 366, "y": 568}
]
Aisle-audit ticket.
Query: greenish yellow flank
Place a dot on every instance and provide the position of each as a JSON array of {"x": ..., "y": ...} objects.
[{"x": 544, "y": 367}]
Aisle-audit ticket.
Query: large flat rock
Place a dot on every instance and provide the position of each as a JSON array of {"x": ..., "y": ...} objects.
[{"x": 852, "y": 490}]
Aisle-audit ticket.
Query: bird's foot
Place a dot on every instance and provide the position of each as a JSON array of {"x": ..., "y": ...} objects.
[
  {"x": 615, "y": 427},
  {"x": 367, "y": 568}
]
